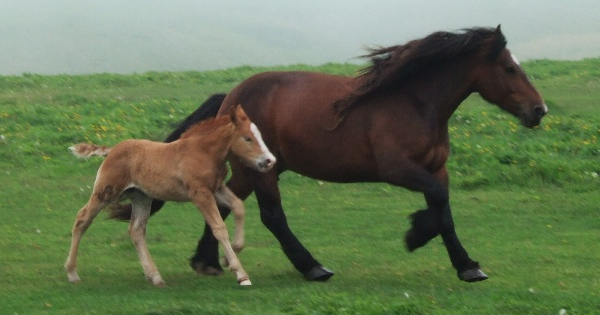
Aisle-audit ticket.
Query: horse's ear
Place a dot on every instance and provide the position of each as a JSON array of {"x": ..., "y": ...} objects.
[{"x": 498, "y": 30}]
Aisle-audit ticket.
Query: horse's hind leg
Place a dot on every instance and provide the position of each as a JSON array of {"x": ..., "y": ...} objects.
[
  {"x": 206, "y": 202},
  {"x": 84, "y": 219},
  {"x": 137, "y": 230}
]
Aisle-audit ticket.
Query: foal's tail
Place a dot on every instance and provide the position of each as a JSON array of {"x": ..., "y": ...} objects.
[
  {"x": 207, "y": 110},
  {"x": 85, "y": 150}
]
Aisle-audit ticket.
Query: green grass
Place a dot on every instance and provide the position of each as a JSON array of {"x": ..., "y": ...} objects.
[{"x": 525, "y": 204}]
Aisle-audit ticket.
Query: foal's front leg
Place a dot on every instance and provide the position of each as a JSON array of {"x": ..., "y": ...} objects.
[
  {"x": 226, "y": 198},
  {"x": 206, "y": 203},
  {"x": 137, "y": 230}
]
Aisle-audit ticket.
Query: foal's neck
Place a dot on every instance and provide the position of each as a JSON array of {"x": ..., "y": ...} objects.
[{"x": 216, "y": 141}]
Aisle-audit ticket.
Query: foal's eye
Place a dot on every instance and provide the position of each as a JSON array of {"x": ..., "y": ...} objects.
[
  {"x": 247, "y": 139},
  {"x": 510, "y": 70}
]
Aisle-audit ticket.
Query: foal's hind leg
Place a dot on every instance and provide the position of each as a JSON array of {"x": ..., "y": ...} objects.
[
  {"x": 206, "y": 202},
  {"x": 137, "y": 230},
  {"x": 84, "y": 219}
]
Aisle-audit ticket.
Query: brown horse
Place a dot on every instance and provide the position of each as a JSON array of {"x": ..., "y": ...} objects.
[
  {"x": 190, "y": 169},
  {"x": 389, "y": 124}
]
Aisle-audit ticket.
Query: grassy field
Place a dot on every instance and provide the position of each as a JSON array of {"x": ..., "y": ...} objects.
[{"x": 525, "y": 204}]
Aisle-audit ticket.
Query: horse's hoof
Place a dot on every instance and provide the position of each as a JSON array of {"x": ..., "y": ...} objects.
[
  {"x": 415, "y": 239},
  {"x": 421, "y": 231},
  {"x": 318, "y": 273},
  {"x": 210, "y": 271},
  {"x": 203, "y": 269},
  {"x": 472, "y": 275}
]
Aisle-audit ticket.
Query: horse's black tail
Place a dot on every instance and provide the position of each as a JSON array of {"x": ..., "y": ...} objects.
[{"x": 208, "y": 109}]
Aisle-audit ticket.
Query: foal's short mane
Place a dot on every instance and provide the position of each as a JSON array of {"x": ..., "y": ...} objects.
[
  {"x": 207, "y": 126},
  {"x": 392, "y": 66}
]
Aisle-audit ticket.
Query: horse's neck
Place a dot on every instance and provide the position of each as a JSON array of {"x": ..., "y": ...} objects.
[{"x": 444, "y": 90}]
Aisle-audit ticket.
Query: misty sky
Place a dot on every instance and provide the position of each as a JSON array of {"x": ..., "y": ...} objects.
[{"x": 126, "y": 36}]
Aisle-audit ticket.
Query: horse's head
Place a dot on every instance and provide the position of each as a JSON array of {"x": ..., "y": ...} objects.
[
  {"x": 502, "y": 81},
  {"x": 248, "y": 144}
]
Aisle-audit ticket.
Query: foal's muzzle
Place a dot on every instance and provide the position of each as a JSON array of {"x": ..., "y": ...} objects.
[{"x": 266, "y": 163}]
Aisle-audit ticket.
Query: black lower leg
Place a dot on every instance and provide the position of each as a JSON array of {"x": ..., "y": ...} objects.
[
  {"x": 300, "y": 257},
  {"x": 467, "y": 269},
  {"x": 206, "y": 258},
  {"x": 423, "y": 229}
]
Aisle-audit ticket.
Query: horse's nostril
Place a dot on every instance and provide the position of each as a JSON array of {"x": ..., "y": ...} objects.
[{"x": 539, "y": 111}]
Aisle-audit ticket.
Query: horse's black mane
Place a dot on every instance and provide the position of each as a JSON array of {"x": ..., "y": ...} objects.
[{"x": 393, "y": 65}]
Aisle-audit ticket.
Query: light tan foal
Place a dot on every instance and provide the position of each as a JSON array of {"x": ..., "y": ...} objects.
[{"x": 125, "y": 173}]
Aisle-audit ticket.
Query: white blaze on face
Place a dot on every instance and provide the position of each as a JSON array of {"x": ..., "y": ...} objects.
[
  {"x": 261, "y": 143},
  {"x": 514, "y": 58}
]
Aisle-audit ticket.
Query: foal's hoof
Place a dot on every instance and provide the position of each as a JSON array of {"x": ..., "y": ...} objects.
[
  {"x": 74, "y": 278},
  {"x": 318, "y": 273},
  {"x": 472, "y": 275},
  {"x": 244, "y": 281}
]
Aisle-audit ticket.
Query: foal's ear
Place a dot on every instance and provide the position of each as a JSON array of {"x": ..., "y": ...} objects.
[
  {"x": 232, "y": 114},
  {"x": 237, "y": 114}
]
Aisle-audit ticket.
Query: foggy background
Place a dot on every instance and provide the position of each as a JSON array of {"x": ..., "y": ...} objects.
[{"x": 127, "y": 36}]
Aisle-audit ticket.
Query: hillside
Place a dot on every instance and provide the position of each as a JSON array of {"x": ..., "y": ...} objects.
[{"x": 525, "y": 204}]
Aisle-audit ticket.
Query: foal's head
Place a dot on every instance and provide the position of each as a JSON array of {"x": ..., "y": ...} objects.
[
  {"x": 248, "y": 144},
  {"x": 502, "y": 81}
]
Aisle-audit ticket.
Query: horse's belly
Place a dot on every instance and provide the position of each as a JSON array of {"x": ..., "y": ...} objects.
[{"x": 334, "y": 169}]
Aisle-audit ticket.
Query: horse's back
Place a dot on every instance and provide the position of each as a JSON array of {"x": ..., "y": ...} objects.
[{"x": 295, "y": 113}]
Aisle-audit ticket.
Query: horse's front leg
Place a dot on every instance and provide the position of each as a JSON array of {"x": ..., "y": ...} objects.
[
  {"x": 436, "y": 219},
  {"x": 206, "y": 258},
  {"x": 272, "y": 216},
  {"x": 207, "y": 205}
]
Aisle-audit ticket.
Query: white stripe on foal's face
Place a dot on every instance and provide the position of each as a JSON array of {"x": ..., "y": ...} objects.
[{"x": 267, "y": 154}]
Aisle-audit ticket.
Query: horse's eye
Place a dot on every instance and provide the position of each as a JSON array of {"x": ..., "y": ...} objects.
[
  {"x": 247, "y": 139},
  {"x": 510, "y": 70}
]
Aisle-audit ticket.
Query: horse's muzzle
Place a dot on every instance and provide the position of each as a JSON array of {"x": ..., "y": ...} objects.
[{"x": 534, "y": 118}]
